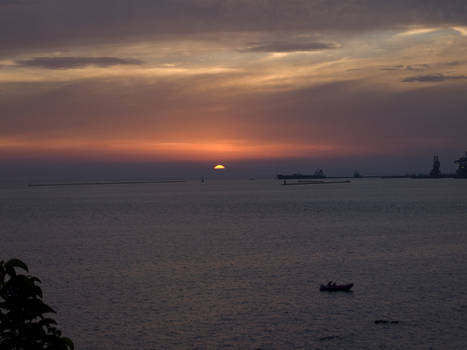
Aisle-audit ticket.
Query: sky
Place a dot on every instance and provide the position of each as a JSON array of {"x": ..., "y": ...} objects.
[{"x": 159, "y": 88}]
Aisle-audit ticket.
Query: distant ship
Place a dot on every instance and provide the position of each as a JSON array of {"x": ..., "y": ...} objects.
[{"x": 318, "y": 174}]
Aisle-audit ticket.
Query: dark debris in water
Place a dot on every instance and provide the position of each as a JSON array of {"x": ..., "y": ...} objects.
[
  {"x": 329, "y": 337},
  {"x": 386, "y": 321}
]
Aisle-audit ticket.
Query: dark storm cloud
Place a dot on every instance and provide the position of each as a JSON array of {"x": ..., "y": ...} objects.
[
  {"x": 429, "y": 78},
  {"x": 291, "y": 47},
  {"x": 55, "y": 23},
  {"x": 76, "y": 62}
]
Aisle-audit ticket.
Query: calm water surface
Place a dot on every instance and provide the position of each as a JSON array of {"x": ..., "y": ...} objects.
[{"x": 237, "y": 264}]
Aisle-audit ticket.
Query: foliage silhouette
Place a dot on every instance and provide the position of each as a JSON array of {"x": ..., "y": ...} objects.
[{"x": 23, "y": 325}]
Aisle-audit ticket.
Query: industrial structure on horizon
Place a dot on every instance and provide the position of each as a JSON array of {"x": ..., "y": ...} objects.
[
  {"x": 462, "y": 166},
  {"x": 434, "y": 173}
]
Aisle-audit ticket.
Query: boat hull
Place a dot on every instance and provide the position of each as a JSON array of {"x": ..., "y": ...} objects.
[{"x": 337, "y": 288}]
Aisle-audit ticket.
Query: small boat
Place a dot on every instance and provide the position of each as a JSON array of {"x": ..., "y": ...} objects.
[{"x": 336, "y": 288}]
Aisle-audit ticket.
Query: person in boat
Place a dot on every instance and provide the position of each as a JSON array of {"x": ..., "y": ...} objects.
[{"x": 330, "y": 284}]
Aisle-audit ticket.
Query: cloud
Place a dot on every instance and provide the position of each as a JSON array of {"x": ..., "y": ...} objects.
[
  {"x": 418, "y": 31},
  {"x": 340, "y": 114},
  {"x": 455, "y": 63},
  {"x": 411, "y": 67},
  {"x": 397, "y": 67},
  {"x": 461, "y": 30},
  {"x": 9, "y": 2},
  {"x": 430, "y": 78},
  {"x": 52, "y": 23},
  {"x": 291, "y": 47},
  {"x": 417, "y": 67},
  {"x": 216, "y": 88},
  {"x": 76, "y": 62}
]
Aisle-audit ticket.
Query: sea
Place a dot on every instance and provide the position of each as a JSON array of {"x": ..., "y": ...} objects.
[{"x": 237, "y": 264}]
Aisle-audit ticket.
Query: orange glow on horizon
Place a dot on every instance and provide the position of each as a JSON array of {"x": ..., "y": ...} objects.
[
  {"x": 133, "y": 151},
  {"x": 219, "y": 167},
  {"x": 129, "y": 150}
]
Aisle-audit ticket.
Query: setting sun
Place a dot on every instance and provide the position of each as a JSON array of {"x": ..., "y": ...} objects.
[{"x": 219, "y": 167}]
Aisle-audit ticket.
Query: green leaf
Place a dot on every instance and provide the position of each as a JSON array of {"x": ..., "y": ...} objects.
[
  {"x": 38, "y": 291},
  {"x": 16, "y": 263},
  {"x": 37, "y": 307},
  {"x": 68, "y": 343},
  {"x": 35, "y": 279},
  {"x": 23, "y": 324},
  {"x": 44, "y": 308},
  {"x": 47, "y": 321}
]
